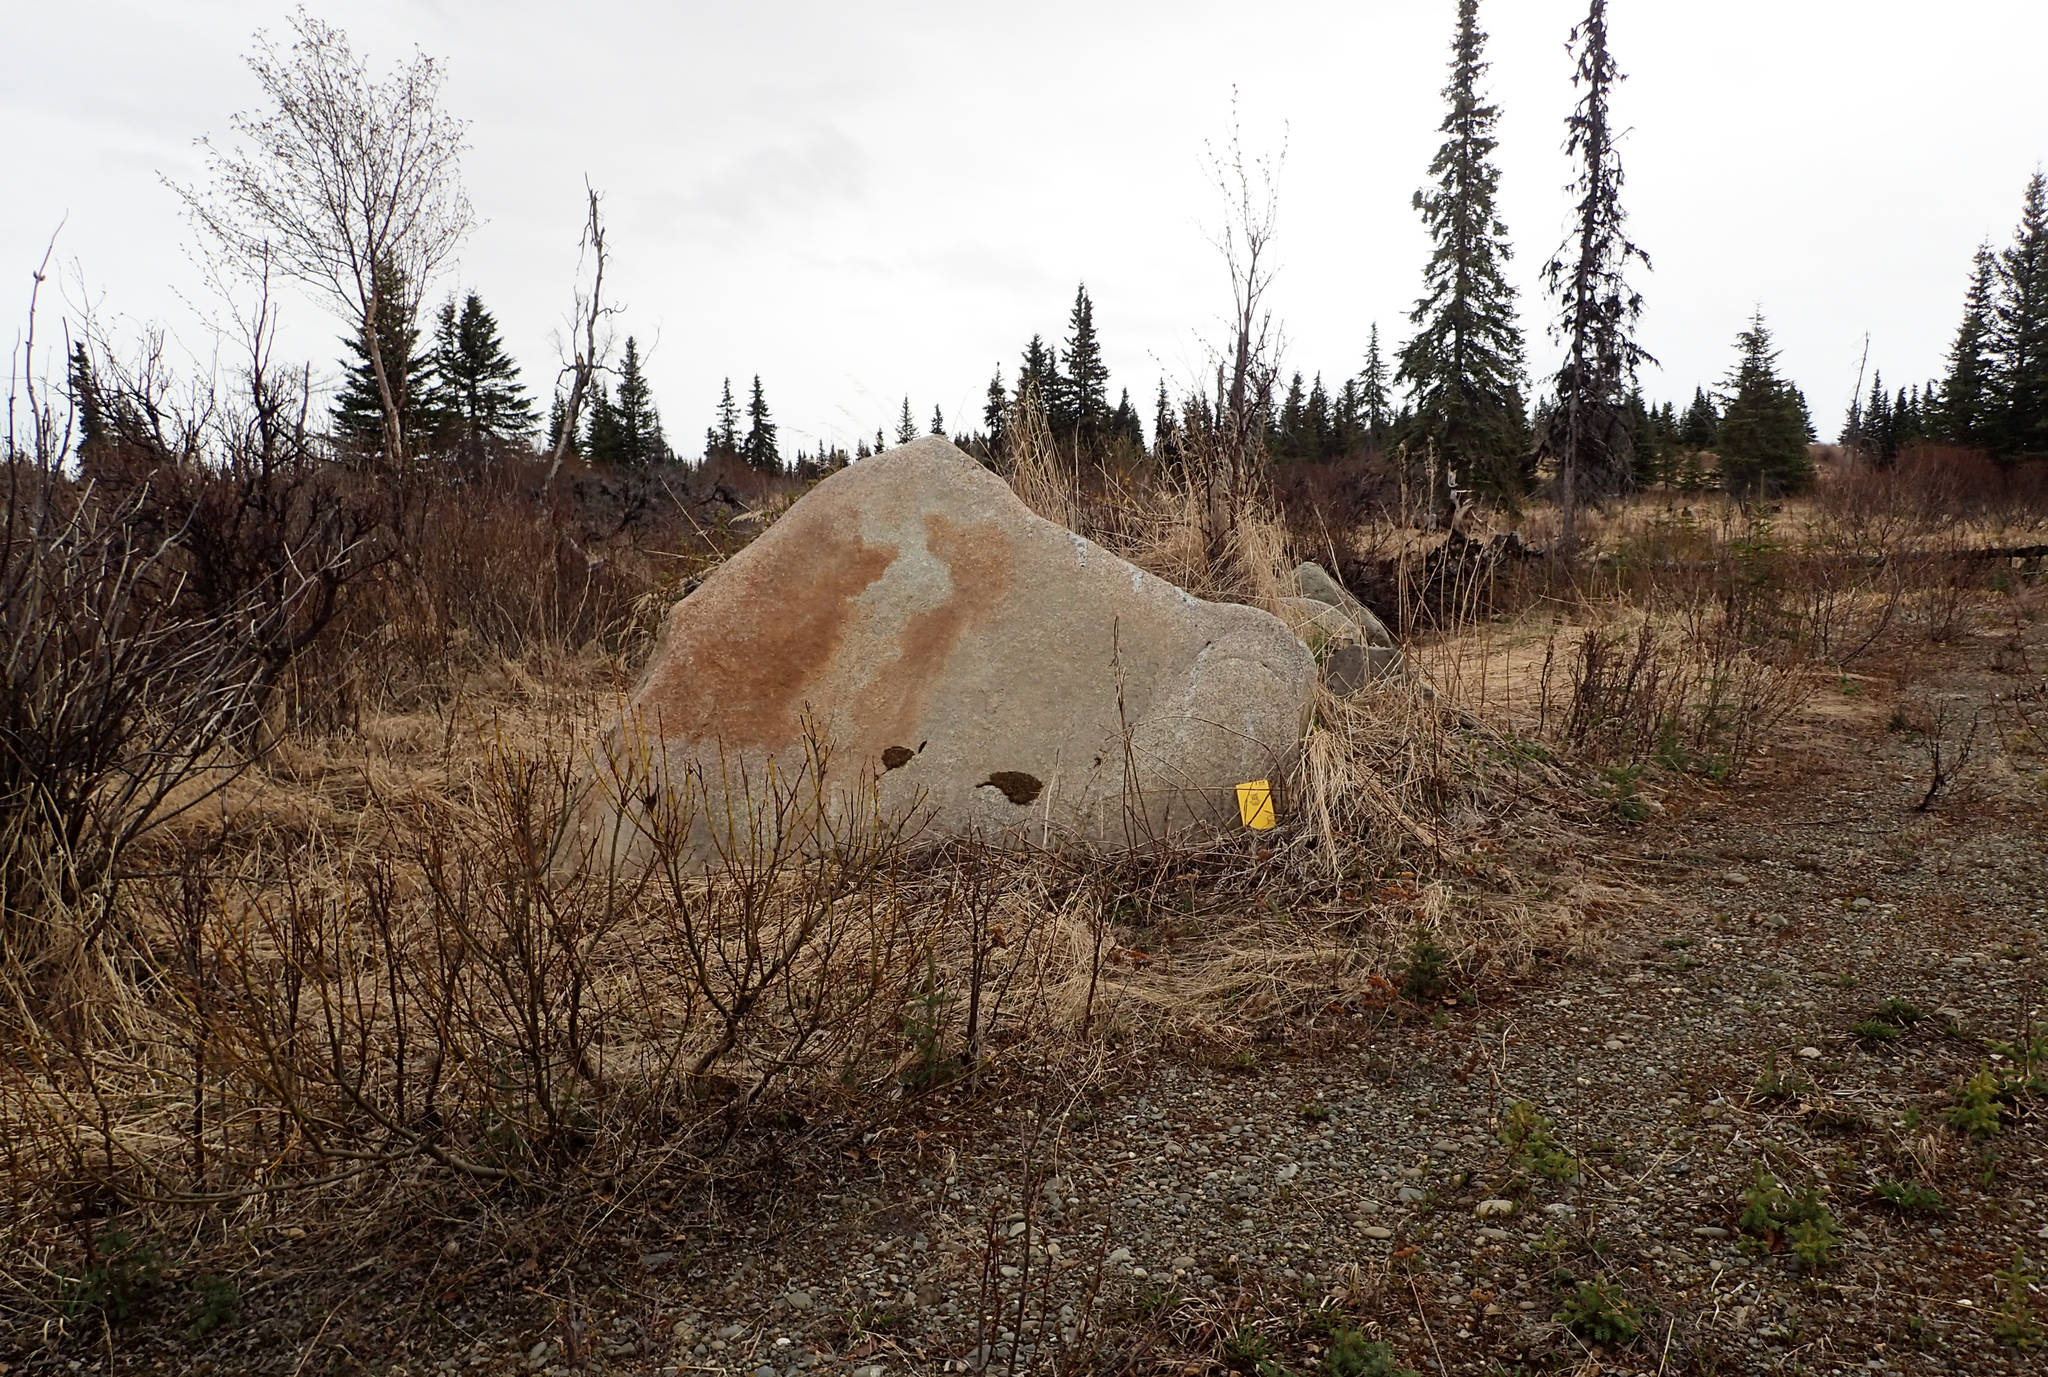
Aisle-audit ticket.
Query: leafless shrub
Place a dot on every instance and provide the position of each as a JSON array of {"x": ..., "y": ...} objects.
[
  {"x": 1688, "y": 690},
  {"x": 130, "y": 666},
  {"x": 1947, "y": 744}
]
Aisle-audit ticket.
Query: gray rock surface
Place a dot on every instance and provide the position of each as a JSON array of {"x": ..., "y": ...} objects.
[
  {"x": 1348, "y": 669},
  {"x": 910, "y": 642},
  {"x": 1311, "y": 580},
  {"x": 1320, "y": 625}
]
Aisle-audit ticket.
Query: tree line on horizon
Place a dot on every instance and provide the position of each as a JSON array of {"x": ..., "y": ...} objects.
[{"x": 1456, "y": 390}]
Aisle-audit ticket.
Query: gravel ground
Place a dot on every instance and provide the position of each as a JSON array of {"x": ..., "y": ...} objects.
[{"x": 1445, "y": 1178}]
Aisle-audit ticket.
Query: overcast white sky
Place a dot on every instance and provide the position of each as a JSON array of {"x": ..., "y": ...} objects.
[{"x": 862, "y": 199}]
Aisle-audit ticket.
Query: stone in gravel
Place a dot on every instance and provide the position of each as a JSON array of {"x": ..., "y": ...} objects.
[
  {"x": 1613, "y": 1044},
  {"x": 1860, "y": 905},
  {"x": 1184, "y": 1264},
  {"x": 1411, "y": 1195},
  {"x": 798, "y": 1300},
  {"x": 1709, "y": 1231},
  {"x": 1375, "y": 1231},
  {"x": 1496, "y": 1235},
  {"x": 966, "y": 663},
  {"x": 1809, "y": 1052},
  {"x": 1486, "y": 1209}
]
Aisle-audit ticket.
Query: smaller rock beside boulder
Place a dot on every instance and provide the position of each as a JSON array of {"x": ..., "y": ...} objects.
[
  {"x": 1311, "y": 580},
  {"x": 1353, "y": 648},
  {"x": 1319, "y": 625},
  {"x": 1348, "y": 669}
]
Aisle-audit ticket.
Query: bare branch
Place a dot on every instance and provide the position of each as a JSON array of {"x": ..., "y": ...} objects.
[{"x": 587, "y": 354}]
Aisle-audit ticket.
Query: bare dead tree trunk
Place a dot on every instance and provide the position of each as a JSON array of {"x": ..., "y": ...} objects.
[
  {"x": 1245, "y": 243},
  {"x": 586, "y": 353},
  {"x": 387, "y": 395}
]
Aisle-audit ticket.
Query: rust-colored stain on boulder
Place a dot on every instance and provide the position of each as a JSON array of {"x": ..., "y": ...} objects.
[
  {"x": 735, "y": 667},
  {"x": 977, "y": 559}
]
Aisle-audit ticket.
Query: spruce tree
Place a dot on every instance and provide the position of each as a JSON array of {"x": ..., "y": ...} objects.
[
  {"x": 1590, "y": 434},
  {"x": 604, "y": 439},
  {"x": 722, "y": 438},
  {"x": 1039, "y": 376},
  {"x": 906, "y": 427},
  {"x": 1803, "y": 412},
  {"x": 1287, "y": 440},
  {"x": 1375, "y": 403},
  {"x": 1646, "y": 451},
  {"x": 994, "y": 415},
  {"x": 1084, "y": 389},
  {"x": 359, "y": 408},
  {"x": 639, "y": 444},
  {"x": 1909, "y": 425},
  {"x": 558, "y": 417},
  {"x": 1763, "y": 430},
  {"x": 1165, "y": 424},
  {"x": 1701, "y": 427},
  {"x": 760, "y": 449},
  {"x": 2021, "y": 332},
  {"x": 1877, "y": 430},
  {"x": 1464, "y": 363},
  {"x": 1318, "y": 426},
  {"x": 88, "y": 408},
  {"x": 1126, "y": 431},
  {"x": 1968, "y": 395},
  {"x": 476, "y": 393},
  {"x": 1345, "y": 420}
]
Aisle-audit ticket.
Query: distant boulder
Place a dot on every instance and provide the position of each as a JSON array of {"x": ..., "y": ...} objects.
[{"x": 909, "y": 641}]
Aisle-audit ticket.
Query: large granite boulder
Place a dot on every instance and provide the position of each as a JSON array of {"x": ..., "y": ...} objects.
[{"x": 953, "y": 660}]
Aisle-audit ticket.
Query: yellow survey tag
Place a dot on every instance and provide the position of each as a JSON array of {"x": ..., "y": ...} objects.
[{"x": 1255, "y": 804}]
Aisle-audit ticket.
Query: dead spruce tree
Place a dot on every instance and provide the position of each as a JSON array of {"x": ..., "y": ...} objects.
[
  {"x": 588, "y": 345},
  {"x": 342, "y": 183},
  {"x": 1588, "y": 436}
]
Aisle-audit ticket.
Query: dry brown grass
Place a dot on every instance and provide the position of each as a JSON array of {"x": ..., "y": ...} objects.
[{"x": 359, "y": 965}]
